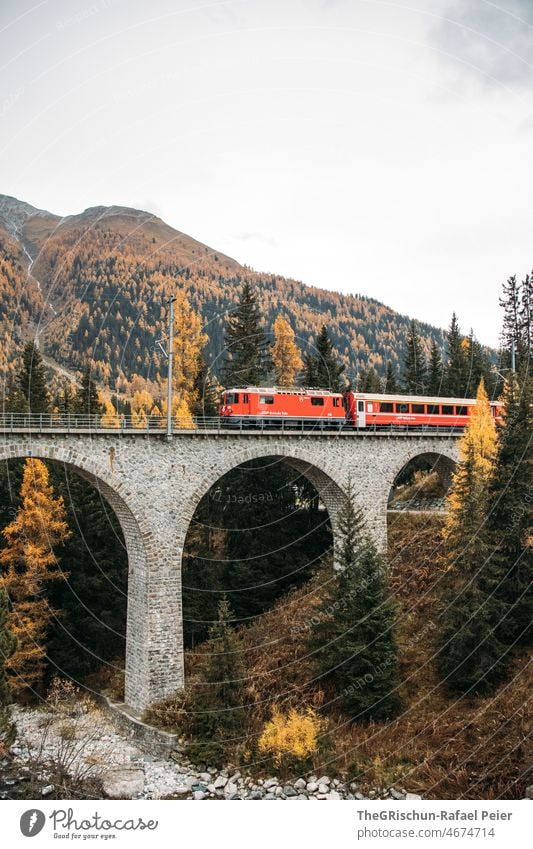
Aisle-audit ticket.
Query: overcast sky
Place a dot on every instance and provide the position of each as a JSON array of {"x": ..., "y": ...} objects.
[{"x": 381, "y": 147}]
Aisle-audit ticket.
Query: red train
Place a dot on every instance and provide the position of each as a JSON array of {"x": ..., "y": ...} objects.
[{"x": 320, "y": 409}]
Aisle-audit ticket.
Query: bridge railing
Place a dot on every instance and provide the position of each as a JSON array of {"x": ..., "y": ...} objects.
[{"x": 141, "y": 424}]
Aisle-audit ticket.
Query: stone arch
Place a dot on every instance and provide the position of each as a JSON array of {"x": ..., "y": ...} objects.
[
  {"x": 441, "y": 463},
  {"x": 330, "y": 491},
  {"x": 134, "y": 528}
]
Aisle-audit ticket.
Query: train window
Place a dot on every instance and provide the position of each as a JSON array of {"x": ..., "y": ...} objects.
[
  {"x": 401, "y": 408},
  {"x": 245, "y": 399},
  {"x": 385, "y": 407},
  {"x": 433, "y": 409},
  {"x": 317, "y": 402},
  {"x": 266, "y": 399},
  {"x": 336, "y": 402},
  {"x": 232, "y": 398},
  {"x": 361, "y": 406},
  {"x": 461, "y": 411},
  {"x": 418, "y": 408},
  {"x": 447, "y": 410}
]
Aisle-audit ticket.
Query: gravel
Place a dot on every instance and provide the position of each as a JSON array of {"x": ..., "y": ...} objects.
[{"x": 113, "y": 758}]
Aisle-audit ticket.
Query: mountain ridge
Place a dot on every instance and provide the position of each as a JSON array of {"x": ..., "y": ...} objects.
[{"x": 106, "y": 272}]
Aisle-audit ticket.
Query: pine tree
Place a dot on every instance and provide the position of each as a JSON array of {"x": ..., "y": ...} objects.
[
  {"x": 218, "y": 712},
  {"x": 455, "y": 370},
  {"x": 469, "y": 651},
  {"x": 369, "y": 380},
  {"x": 478, "y": 367},
  {"x": 434, "y": 376},
  {"x": 87, "y": 401},
  {"x": 511, "y": 330},
  {"x": 67, "y": 400},
  {"x": 8, "y": 644},
  {"x": 526, "y": 325},
  {"x": 309, "y": 375},
  {"x": 285, "y": 354},
  {"x": 354, "y": 642},
  {"x": 29, "y": 563},
  {"x": 391, "y": 383},
  {"x": 32, "y": 380},
  {"x": 245, "y": 343},
  {"x": 414, "y": 367},
  {"x": 206, "y": 391},
  {"x": 327, "y": 369},
  {"x": 509, "y": 526}
]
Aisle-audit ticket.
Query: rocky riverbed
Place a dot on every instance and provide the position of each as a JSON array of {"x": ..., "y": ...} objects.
[{"x": 89, "y": 747}]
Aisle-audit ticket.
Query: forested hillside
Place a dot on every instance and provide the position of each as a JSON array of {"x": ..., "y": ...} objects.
[{"x": 103, "y": 277}]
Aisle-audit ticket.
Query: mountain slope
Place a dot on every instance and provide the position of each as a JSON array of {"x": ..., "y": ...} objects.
[{"x": 103, "y": 277}]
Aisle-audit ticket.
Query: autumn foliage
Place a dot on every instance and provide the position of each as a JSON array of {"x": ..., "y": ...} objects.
[{"x": 29, "y": 563}]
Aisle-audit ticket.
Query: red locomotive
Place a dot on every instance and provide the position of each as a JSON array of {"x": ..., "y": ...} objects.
[{"x": 320, "y": 409}]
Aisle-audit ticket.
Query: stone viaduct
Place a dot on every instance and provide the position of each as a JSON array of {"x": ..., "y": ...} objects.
[{"x": 154, "y": 486}]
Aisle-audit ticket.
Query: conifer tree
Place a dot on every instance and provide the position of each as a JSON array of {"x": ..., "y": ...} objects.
[
  {"x": 478, "y": 367},
  {"x": 28, "y": 562},
  {"x": 309, "y": 375},
  {"x": 391, "y": 383},
  {"x": 87, "y": 400},
  {"x": 67, "y": 400},
  {"x": 323, "y": 370},
  {"x": 218, "y": 713},
  {"x": 32, "y": 380},
  {"x": 526, "y": 325},
  {"x": 469, "y": 651},
  {"x": 245, "y": 343},
  {"x": 414, "y": 368},
  {"x": 454, "y": 382},
  {"x": 511, "y": 330},
  {"x": 8, "y": 644},
  {"x": 434, "y": 376},
  {"x": 285, "y": 354},
  {"x": 353, "y": 641},
  {"x": 206, "y": 391},
  {"x": 369, "y": 380},
  {"x": 517, "y": 303},
  {"x": 509, "y": 526}
]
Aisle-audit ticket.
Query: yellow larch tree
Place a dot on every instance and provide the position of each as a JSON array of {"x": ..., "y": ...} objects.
[
  {"x": 469, "y": 652},
  {"x": 285, "y": 354},
  {"x": 477, "y": 452},
  {"x": 28, "y": 562},
  {"x": 109, "y": 417},
  {"x": 188, "y": 343}
]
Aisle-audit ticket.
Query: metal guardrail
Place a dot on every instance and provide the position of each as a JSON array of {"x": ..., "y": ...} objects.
[{"x": 156, "y": 425}]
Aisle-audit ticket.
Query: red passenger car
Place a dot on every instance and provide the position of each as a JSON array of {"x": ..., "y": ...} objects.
[
  {"x": 366, "y": 410},
  {"x": 254, "y": 406}
]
